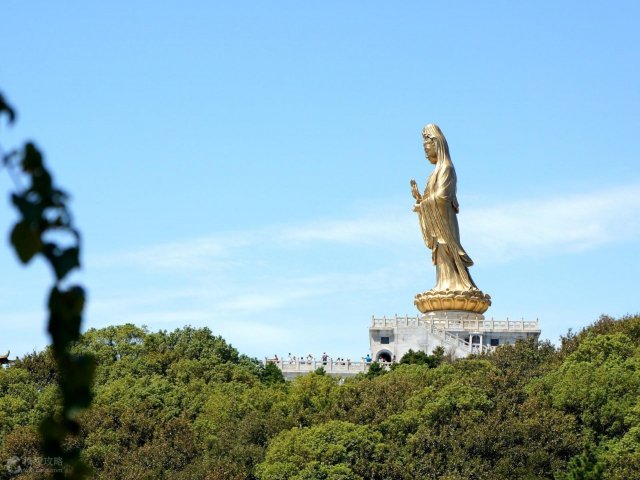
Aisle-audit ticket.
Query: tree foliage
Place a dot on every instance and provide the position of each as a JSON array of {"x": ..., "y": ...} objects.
[
  {"x": 422, "y": 358},
  {"x": 187, "y": 405}
]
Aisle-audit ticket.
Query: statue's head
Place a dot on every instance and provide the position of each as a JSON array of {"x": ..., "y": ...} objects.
[{"x": 435, "y": 145}]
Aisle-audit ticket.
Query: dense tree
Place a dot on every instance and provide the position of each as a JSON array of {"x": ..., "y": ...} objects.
[
  {"x": 333, "y": 451},
  {"x": 422, "y": 358},
  {"x": 187, "y": 405}
]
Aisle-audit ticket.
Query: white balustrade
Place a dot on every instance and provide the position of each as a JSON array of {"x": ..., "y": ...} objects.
[
  {"x": 460, "y": 322},
  {"x": 302, "y": 366}
]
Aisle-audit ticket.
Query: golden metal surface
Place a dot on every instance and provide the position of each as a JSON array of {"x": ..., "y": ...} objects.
[{"x": 437, "y": 210}]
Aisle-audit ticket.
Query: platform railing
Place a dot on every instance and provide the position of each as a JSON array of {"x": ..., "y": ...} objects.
[
  {"x": 463, "y": 322},
  {"x": 330, "y": 365}
]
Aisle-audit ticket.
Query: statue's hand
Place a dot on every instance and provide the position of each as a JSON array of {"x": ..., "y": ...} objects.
[{"x": 415, "y": 192}]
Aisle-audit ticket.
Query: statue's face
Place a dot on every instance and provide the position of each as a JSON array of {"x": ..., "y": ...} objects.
[{"x": 430, "y": 149}]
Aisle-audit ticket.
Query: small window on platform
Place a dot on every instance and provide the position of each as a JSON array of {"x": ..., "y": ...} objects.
[
  {"x": 495, "y": 342},
  {"x": 384, "y": 340}
]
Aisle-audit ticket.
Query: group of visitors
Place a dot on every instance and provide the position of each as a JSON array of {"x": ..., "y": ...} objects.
[
  {"x": 325, "y": 359},
  {"x": 309, "y": 359}
]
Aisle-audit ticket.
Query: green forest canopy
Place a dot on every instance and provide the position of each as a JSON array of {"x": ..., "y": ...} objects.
[{"x": 186, "y": 405}]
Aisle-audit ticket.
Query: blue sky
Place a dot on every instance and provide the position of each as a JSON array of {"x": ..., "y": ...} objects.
[{"x": 245, "y": 165}]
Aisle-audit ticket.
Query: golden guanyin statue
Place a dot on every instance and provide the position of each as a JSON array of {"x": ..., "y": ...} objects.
[{"x": 437, "y": 209}]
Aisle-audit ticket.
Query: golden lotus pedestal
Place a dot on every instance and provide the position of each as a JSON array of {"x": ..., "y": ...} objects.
[{"x": 467, "y": 301}]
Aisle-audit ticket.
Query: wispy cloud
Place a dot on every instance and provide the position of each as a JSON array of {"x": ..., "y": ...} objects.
[
  {"x": 258, "y": 336},
  {"x": 365, "y": 230},
  {"x": 556, "y": 225},
  {"x": 190, "y": 254},
  {"x": 500, "y": 233},
  {"x": 228, "y": 250},
  {"x": 291, "y": 291}
]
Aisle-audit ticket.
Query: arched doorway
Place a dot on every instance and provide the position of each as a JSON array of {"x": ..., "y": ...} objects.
[{"x": 384, "y": 356}]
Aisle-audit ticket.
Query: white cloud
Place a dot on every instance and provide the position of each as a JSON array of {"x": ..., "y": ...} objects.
[
  {"x": 365, "y": 230},
  {"x": 172, "y": 318},
  {"x": 288, "y": 292},
  {"x": 191, "y": 254},
  {"x": 258, "y": 334},
  {"x": 533, "y": 227},
  {"x": 262, "y": 301},
  {"x": 219, "y": 252},
  {"x": 557, "y": 225}
]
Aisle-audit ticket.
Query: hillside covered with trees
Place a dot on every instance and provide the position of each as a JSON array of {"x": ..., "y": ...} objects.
[{"x": 187, "y": 405}]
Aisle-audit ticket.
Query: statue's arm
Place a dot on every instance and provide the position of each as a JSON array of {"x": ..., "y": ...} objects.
[{"x": 415, "y": 192}]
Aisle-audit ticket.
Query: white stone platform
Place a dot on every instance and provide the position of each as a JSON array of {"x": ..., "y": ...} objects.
[
  {"x": 459, "y": 333},
  {"x": 336, "y": 368}
]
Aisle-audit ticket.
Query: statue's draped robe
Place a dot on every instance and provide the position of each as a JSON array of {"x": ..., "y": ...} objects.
[{"x": 437, "y": 212}]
